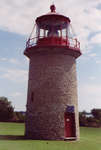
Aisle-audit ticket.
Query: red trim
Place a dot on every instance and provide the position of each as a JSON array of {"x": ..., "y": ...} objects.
[
  {"x": 52, "y": 41},
  {"x": 53, "y": 17},
  {"x": 75, "y": 52}
]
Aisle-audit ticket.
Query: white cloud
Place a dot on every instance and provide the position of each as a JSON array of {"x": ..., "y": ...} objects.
[
  {"x": 26, "y": 60},
  {"x": 92, "y": 55},
  {"x": 16, "y": 94},
  {"x": 96, "y": 39},
  {"x": 14, "y": 61},
  {"x": 3, "y": 59},
  {"x": 15, "y": 75},
  {"x": 18, "y": 100},
  {"x": 89, "y": 96},
  {"x": 98, "y": 61},
  {"x": 92, "y": 89},
  {"x": 18, "y": 16},
  {"x": 92, "y": 78}
]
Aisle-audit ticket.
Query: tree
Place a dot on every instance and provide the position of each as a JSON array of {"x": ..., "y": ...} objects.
[
  {"x": 96, "y": 113},
  {"x": 82, "y": 118},
  {"x": 6, "y": 109},
  {"x": 19, "y": 116},
  {"x": 97, "y": 116}
]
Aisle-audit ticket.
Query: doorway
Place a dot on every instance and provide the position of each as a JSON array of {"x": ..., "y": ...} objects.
[{"x": 70, "y": 127}]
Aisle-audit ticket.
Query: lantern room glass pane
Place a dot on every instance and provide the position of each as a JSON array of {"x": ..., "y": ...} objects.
[
  {"x": 37, "y": 31},
  {"x": 59, "y": 33},
  {"x": 41, "y": 33},
  {"x": 46, "y": 33},
  {"x": 53, "y": 32},
  {"x": 64, "y": 32}
]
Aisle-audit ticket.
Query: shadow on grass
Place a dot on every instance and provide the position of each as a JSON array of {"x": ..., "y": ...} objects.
[{"x": 12, "y": 137}]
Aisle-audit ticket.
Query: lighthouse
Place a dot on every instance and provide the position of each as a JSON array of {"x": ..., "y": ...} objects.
[{"x": 52, "y": 101}]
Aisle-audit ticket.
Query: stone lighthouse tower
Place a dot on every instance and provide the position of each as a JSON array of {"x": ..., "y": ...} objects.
[{"x": 52, "y": 104}]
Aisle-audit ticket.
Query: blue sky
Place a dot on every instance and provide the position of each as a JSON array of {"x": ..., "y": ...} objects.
[{"x": 17, "y": 19}]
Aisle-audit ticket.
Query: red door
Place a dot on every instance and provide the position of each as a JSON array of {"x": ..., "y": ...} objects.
[{"x": 70, "y": 131}]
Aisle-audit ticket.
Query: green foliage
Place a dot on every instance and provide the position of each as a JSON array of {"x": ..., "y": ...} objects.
[
  {"x": 6, "y": 109},
  {"x": 7, "y": 112},
  {"x": 96, "y": 113},
  {"x": 94, "y": 120},
  {"x": 19, "y": 116},
  {"x": 83, "y": 118}
]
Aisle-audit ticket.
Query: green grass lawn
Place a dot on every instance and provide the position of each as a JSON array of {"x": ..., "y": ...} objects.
[{"x": 11, "y": 138}]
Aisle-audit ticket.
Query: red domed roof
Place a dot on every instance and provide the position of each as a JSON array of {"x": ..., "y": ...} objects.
[{"x": 51, "y": 18}]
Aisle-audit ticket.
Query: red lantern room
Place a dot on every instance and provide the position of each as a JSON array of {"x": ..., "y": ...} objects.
[{"x": 52, "y": 29}]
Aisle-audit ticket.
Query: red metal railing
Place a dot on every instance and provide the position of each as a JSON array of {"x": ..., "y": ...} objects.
[{"x": 70, "y": 42}]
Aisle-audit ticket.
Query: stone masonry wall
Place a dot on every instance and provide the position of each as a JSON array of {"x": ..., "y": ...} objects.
[{"x": 52, "y": 86}]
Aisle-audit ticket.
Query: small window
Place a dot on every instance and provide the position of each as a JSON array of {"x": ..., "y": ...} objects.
[{"x": 32, "y": 96}]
